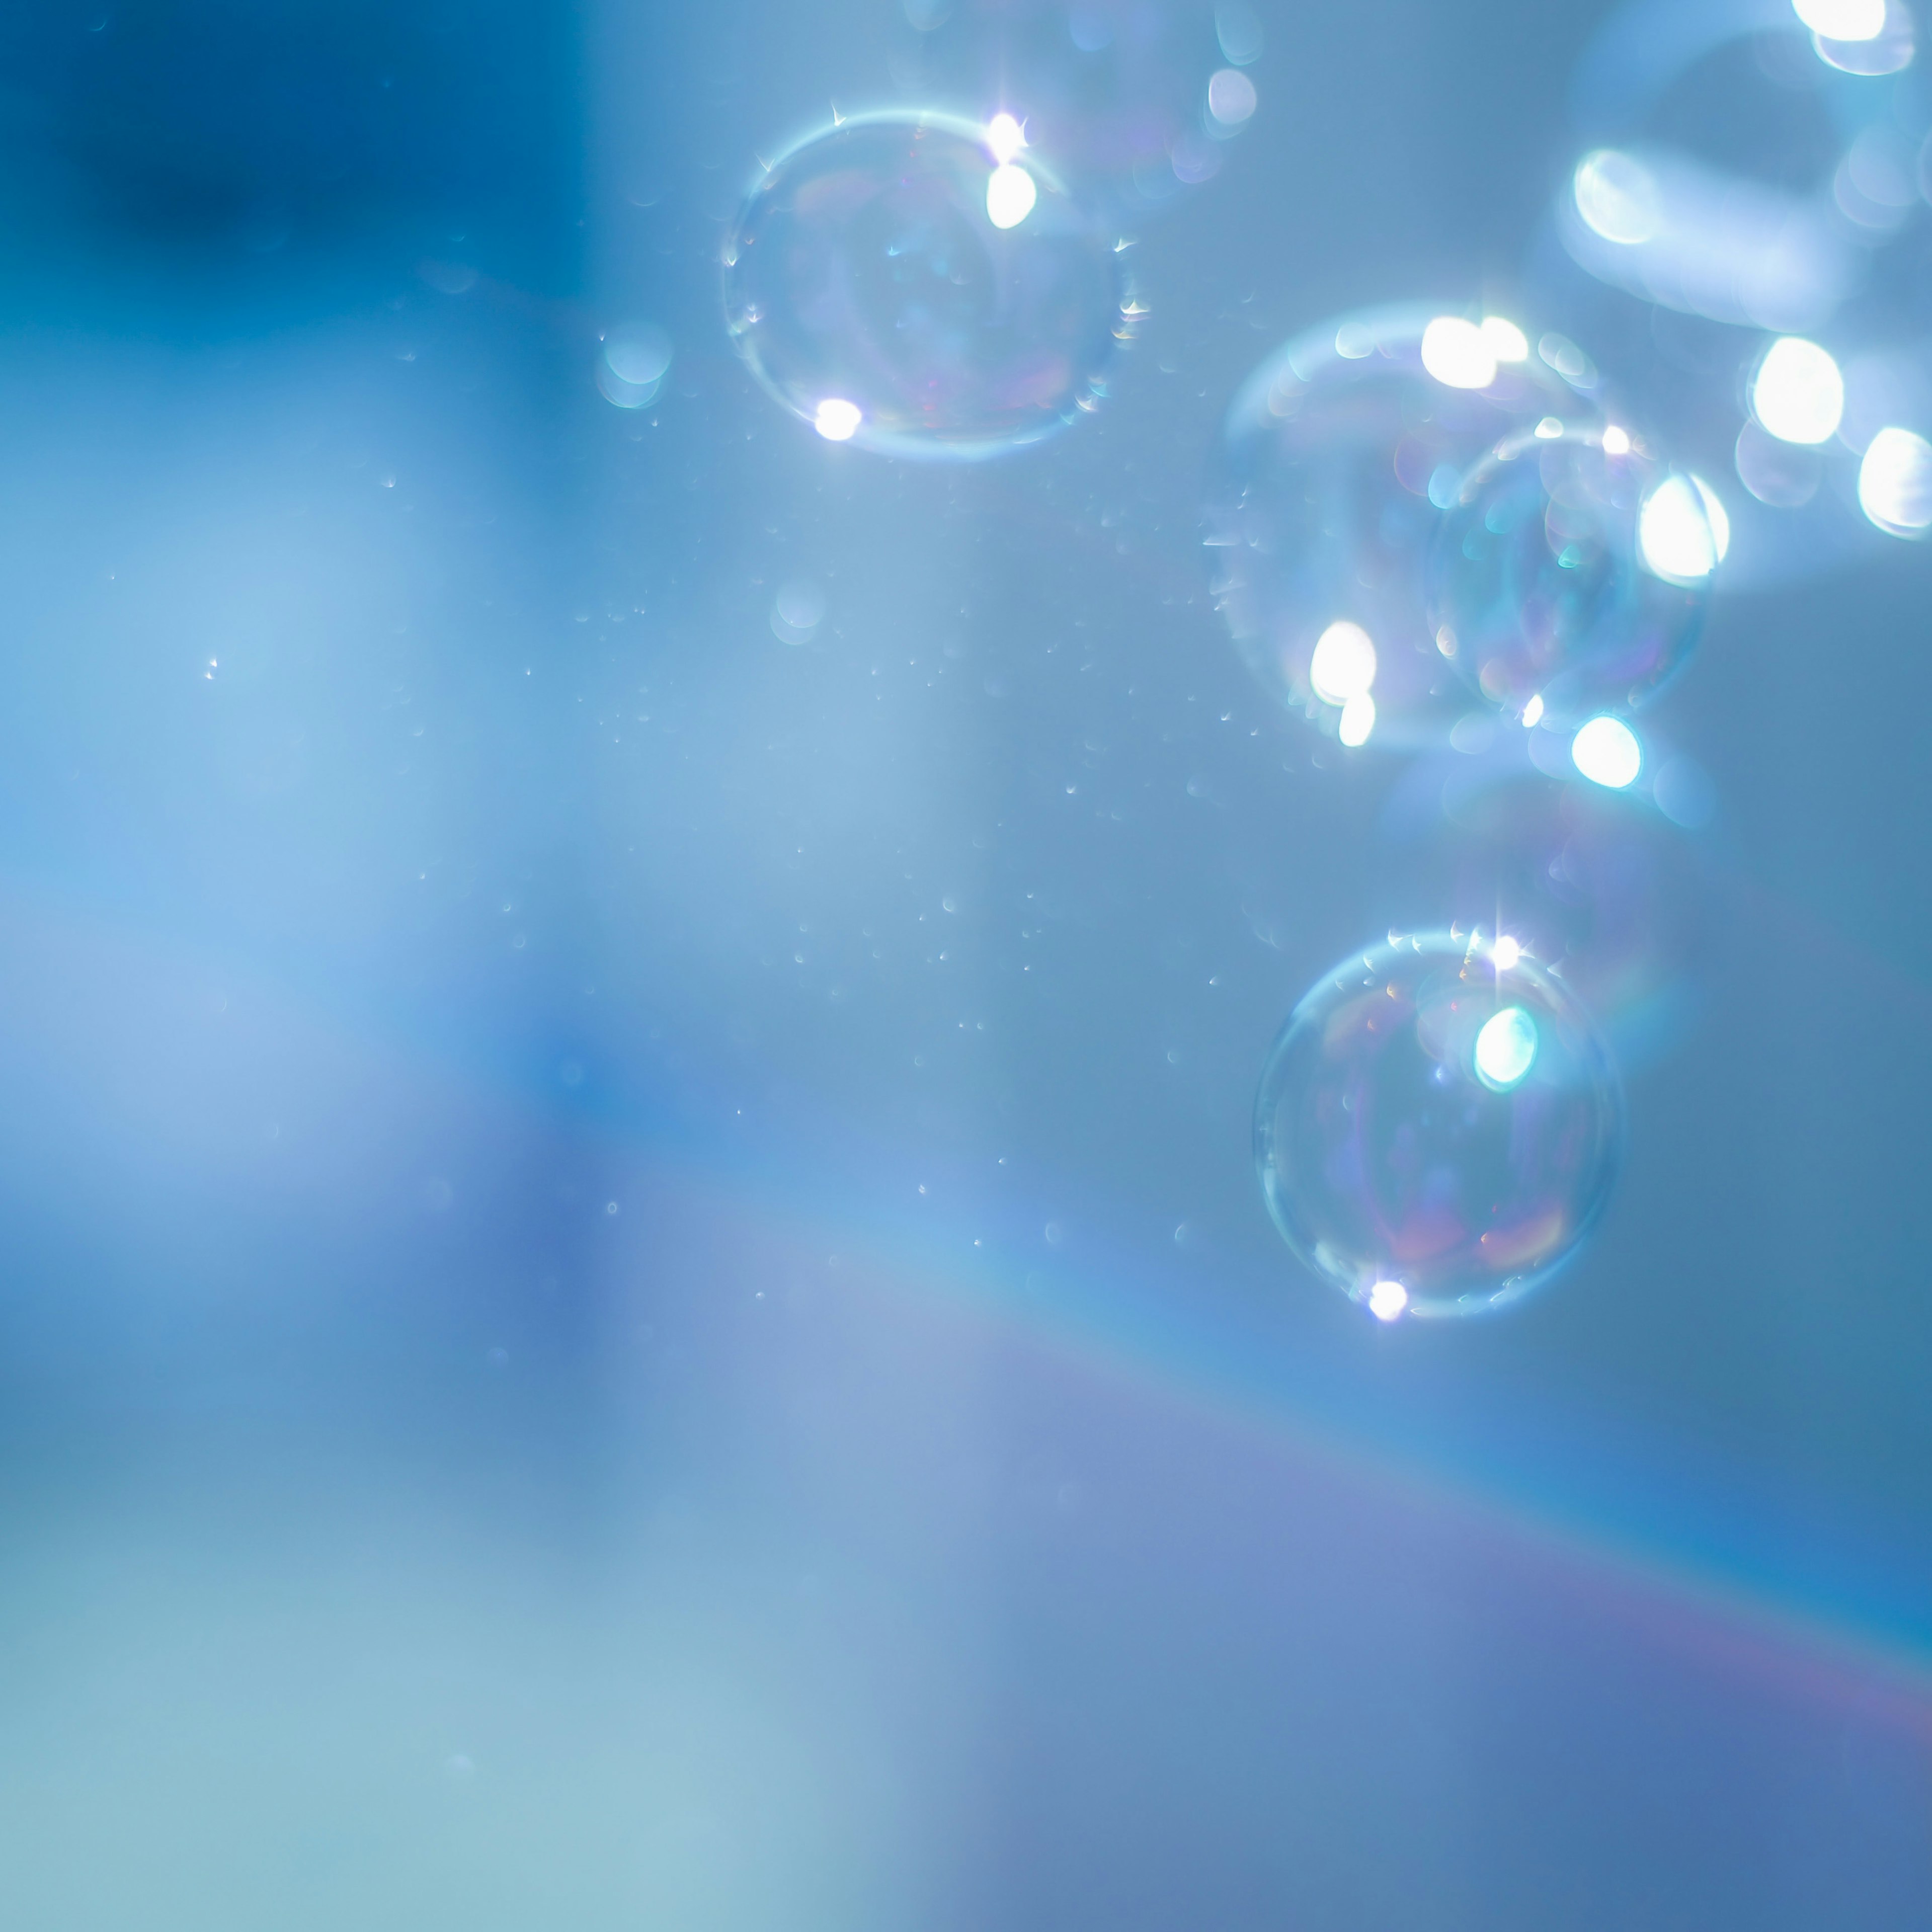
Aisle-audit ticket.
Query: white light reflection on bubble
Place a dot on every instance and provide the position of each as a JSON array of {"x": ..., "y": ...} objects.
[
  {"x": 1616, "y": 196},
  {"x": 1532, "y": 712},
  {"x": 1607, "y": 752},
  {"x": 1455, "y": 352},
  {"x": 1674, "y": 533},
  {"x": 1005, "y": 137},
  {"x": 1010, "y": 195},
  {"x": 1842, "y": 19},
  {"x": 1508, "y": 343},
  {"x": 1344, "y": 664},
  {"x": 1231, "y": 97},
  {"x": 1895, "y": 482},
  {"x": 1358, "y": 720},
  {"x": 1797, "y": 393},
  {"x": 1386, "y": 1300},
  {"x": 1616, "y": 441},
  {"x": 836, "y": 420},
  {"x": 1505, "y": 1049},
  {"x": 1506, "y": 952}
]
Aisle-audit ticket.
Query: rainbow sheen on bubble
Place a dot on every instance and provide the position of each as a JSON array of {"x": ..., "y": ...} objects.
[
  {"x": 1439, "y": 1126},
  {"x": 1337, "y": 459},
  {"x": 1571, "y": 575},
  {"x": 916, "y": 284}
]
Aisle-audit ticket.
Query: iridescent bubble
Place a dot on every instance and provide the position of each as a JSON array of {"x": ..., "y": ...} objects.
[
  {"x": 1339, "y": 455},
  {"x": 1439, "y": 1126},
  {"x": 1571, "y": 575},
  {"x": 922, "y": 286}
]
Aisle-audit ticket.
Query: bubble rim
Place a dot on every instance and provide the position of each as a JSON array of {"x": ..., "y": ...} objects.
[
  {"x": 1448, "y": 943},
  {"x": 1127, "y": 309}
]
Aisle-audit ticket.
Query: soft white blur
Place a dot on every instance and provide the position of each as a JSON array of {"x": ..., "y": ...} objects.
[
  {"x": 1457, "y": 354},
  {"x": 1343, "y": 665},
  {"x": 1607, "y": 752},
  {"x": 1797, "y": 393},
  {"x": 1895, "y": 482}
]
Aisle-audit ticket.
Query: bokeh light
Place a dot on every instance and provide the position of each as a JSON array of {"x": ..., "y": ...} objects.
[
  {"x": 1895, "y": 482},
  {"x": 896, "y": 283},
  {"x": 1797, "y": 393},
  {"x": 1434, "y": 1122},
  {"x": 1570, "y": 573},
  {"x": 1338, "y": 458},
  {"x": 1607, "y": 752}
]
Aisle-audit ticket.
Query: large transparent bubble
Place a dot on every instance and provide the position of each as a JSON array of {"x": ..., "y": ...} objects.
[
  {"x": 1338, "y": 456},
  {"x": 1135, "y": 100},
  {"x": 1439, "y": 1126},
  {"x": 1571, "y": 575},
  {"x": 922, "y": 286}
]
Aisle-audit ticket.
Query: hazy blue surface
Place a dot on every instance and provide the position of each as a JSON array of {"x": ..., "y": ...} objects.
[{"x": 534, "y": 1385}]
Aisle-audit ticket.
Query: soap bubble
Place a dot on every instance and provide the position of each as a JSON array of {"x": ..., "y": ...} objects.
[
  {"x": 1134, "y": 99},
  {"x": 1571, "y": 575},
  {"x": 1339, "y": 456},
  {"x": 1439, "y": 1126},
  {"x": 899, "y": 282}
]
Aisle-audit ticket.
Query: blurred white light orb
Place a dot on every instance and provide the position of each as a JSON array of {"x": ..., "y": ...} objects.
[
  {"x": 1674, "y": 531},
  {"x": 1358, "y": 720},
  {"x": 1455, "y": 352},
  {"x": 900, "y": 283},
  {"x": 1010, "y": 195},
  {"x": 1797, "y": 393},
  {"x": 1232, "y": 99},
  {"x": 1616, "y": 440},
  {"x": 1386, "y": 1300},
  {"x": 837, "y": 420},
  {"x": 1507, "y": 343},
  {"x": 1005, "y": 137},
  {"x": 1607, "y": 752},
  {"x": 1505, "y": 953},
  {"x": 1895, "y": 482},
  {"x": 1344, "y": 664},
  {"x": 1843, "y": 19},
  {"x": 1616, "y": 195},
  {"x": 1506, "y": 1047},
  {"x": 1532, "y": 712},
  {"x": 1436, "y": 1133}
]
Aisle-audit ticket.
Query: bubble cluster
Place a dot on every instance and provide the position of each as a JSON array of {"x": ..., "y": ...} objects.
[
  {"x": 922, "y": 286},
  {"x": 1338, "y": 456},
  {"x": 1439, "y": 1126},
  {"x": 1571, "y": 574}
]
